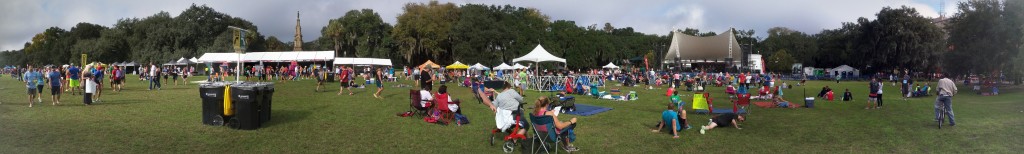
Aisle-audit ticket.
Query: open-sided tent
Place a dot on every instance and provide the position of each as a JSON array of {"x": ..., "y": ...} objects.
[
  {"x": 193, "y": 60},
  {"x": 430, "y": 64},
  {"x": 610, "y": 66},
  {"x": 478, "y": 66},
  {"x": 539, "y": 54},
  {"x": 503, "y": 66},
  {"x": 457, "y": 65},
  {"x": 517, "y": 66}
]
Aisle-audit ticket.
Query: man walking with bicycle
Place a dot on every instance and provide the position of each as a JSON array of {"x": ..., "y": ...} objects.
[{"x": 943, "y": 103}]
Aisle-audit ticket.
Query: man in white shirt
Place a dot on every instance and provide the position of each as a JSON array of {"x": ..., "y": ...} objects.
[
  {"x": 154, "y": 77},
  {"x": 943, "y": 103}
]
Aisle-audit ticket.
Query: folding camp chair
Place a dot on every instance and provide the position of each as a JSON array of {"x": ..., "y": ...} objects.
[
  {"x": 742, "y": 102},
  {"x": 441, "y": 106},
  {"x": 414, "y": 103},
  {"x": 547, "y": 139}
]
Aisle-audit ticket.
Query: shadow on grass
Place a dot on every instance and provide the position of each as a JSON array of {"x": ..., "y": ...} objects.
[{"x": 279, "y": 117}]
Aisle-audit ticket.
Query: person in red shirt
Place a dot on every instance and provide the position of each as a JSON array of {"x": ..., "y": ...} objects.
[{"x": 344, "y": 78}]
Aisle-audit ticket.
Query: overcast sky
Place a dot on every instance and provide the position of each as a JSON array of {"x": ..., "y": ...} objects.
[{"x": 21, "y": 19}]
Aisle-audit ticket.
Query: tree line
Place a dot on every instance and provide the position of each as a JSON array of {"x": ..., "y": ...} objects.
[{"x": 984, "y": 37}]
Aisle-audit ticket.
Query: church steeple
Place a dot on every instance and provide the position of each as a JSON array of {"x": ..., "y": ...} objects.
[{"x": 298, "y": 34}]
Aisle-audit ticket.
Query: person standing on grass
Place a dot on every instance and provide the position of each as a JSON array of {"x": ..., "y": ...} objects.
[
  {"x": 319, "y": 78},
  {"x": 74, "y": 74},
  {"x": 873, "y": 87},
  {"x": 55, "y": 84},
  {"x": 947, "y": 88},
  {"x": 426, "y": 79},
  {"x": 154, "y": 77},
  {"x": 380, "y": 83},
  {"x": 723, "y": 120},
  {"x": 90, "y": 88},
  {"x": 40, "y": 83},
  {"x": 879, "y": 94},
  {"x": 97, "y": 74},
  {"x": 344, "y": 77},
  {"x": 30, "y": 84}
]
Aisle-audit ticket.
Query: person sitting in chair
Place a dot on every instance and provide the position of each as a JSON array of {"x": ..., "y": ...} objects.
[
  {"x": 779, "y": 102},
  {"x": 506, "y": 104},
  {"x": 564, "y": 129},
  {"x": 446, "y": 103},
  {"x": 726, "y": 119},
  {"x": 426, "y": 98}
]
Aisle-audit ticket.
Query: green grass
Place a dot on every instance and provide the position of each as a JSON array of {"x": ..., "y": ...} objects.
[{"x": 168, "y": 121}]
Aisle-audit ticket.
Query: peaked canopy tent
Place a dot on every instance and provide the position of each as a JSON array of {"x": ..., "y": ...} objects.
[
  {"x": 539, "y": 54},
  {"x": 517, "y": 66},
  {"x": 457, "y": 65},
  {"x": 689, "y": 49},
  {"x": 430, "y": 64},
  {"x": 503, "y": 66},
  {"x": 610, "y": 66},
  {"x": 479, "y": 66}
]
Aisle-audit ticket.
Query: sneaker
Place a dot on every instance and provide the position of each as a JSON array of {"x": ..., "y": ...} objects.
[
  {"x": 688, "y": 127},
  {"x": 702, "y": 130},
  {"x": 570, "y": 148}
]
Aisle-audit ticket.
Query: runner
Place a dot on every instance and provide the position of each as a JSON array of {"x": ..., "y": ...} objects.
[
  {"x": 55, "y": 84},
  {"x": 380, "y": 83},
  {"x": 344, "y": 77}
]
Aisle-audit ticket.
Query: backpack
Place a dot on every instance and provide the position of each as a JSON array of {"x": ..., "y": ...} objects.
[{"x": 461, "y": 119}]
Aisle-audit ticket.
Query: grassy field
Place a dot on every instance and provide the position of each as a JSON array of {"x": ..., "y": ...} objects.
[{"x": 168, "y": 121}]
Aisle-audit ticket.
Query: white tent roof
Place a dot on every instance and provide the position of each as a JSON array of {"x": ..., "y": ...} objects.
[
  {"x": 477, "y": 66},
  {"x": 503, "y": 66},
  {"x": 538, "y": 55},
  {"x": 517, "y": 66},
  {"x": 610, "y": 65},
  {"x": 284, "y": 56},
  {"x": 384, "y": 62},
  {"x": 362, "y": 61},
  {"x": 218, "y": 57},
  {"x": 193, "y": 60}
]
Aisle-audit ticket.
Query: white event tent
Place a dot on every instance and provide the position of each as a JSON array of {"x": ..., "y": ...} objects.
[
  {"x": 285, "y": 56},
  {"x": 503, "y": 66},
  {"x": 517, "y": 66},
  {"x": 610, "y": 66},
  {"x": 362, "y": 61}
]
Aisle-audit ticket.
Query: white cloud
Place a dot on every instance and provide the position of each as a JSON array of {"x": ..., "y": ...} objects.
[{"x": 23, "y": 18}]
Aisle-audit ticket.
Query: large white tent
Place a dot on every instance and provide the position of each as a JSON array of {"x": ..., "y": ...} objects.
[
  {"x": 538, "y": 55},
  {"x": 285, "y": 56},
  {"x": 503, "y": 66},
  {"x": 362, "y": 61}
]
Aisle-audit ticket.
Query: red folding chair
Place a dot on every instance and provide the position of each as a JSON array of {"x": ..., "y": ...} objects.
[
  {"x": 711, "y": 107},
  {"x": 742, "y": 102}
]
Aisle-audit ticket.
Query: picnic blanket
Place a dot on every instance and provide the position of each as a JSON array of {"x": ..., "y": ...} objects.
[
  {"x": 587, "y": 110},
  {"x": 770, "y": 105}
]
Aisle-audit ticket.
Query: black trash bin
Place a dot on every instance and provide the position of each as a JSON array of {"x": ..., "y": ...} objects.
[
  {"x": 248, "y": 99},
  {"x": 330, "y": 77},
  {"x": 213, "y": 103},
  {"x": 268, "y": 95}
]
